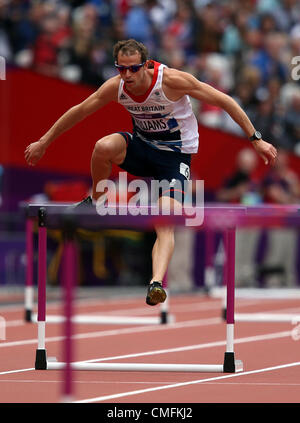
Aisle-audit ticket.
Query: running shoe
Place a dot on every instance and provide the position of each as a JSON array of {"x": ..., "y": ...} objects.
[
  {"x": 155, "y": 294},
  {"x": 86, "y": 202}
]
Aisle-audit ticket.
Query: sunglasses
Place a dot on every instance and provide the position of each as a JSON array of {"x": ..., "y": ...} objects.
[{"x": 132, "y": 68}]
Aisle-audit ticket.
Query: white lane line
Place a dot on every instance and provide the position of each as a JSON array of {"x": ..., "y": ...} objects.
[
  {"x": 254, "y": 383},
  {"x": 138, "y": 382},
  {"x": 214, "y": 344},
  {"x": 115, "y": 301},
  {"x": 123, "y": 331},
  {"x": 12, "y": 323},
  {"x": 184, "y": 308},
  {"x": 89, "y": 382},
  {"x": 181, "y": 384},
  {"x": 16, "y": 371}
]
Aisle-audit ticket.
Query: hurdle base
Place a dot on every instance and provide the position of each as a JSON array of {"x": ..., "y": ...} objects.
[
  {"x": 164, "y": 317},
  {"x": 41, "y": 359},
  {"x": 28, "y": 316},
  {"x": 224, "y": 314},
  {"x": 230, "y": 364}
]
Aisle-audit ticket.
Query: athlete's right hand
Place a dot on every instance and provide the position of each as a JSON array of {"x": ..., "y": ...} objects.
[{"x": 34, "y": 152}]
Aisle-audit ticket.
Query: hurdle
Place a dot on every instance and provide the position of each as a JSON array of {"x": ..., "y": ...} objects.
[
  {"x": 90, "y": 219},
  {"x": 35, "y": 213},
  {"x": 268, "y": 216}
]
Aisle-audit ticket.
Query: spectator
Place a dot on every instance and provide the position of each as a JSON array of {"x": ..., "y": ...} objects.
[
  {"x": 45, "y": 51},
  {"x": 138, "y": 24},
  {"x": 255, "y": 41},
  {"x": 295, "y": 40},
  {"x": 245, "y": 93},
  {"x": 20, "y": 20},
  {"x": 217, "y": 73},
  {"x": 241, "y": 187},
  {"x": 161, "y": 12},
  {"x": 182, "y": 28},
  {"x": 5, "y": 48},
  {"x": 84, "y": 53},
  {"x": 267, "y": 24},
  {"x": 269, "y": 58},
  {"x": 269, "y": 122},
  {"x": 208, "y": 31},
  {"x": 292, "y": 123},
  {"x": 168, "y": 47},
  {"x": 286, "y": 14},
  {"x": 233, "y": 37},
  {"x": 281, "y": 186}
]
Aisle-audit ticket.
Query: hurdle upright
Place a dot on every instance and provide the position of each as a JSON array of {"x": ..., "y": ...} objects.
[
  {"x": 56, "y": 219},
  {"x": 32, "y": 214},
  {"x": 29, "y": 289}
]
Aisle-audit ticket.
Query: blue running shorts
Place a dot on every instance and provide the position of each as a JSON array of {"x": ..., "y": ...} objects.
[{"x": 143, "y": 160}]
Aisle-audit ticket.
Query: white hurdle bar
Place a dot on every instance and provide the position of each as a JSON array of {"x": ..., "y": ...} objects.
[
  {"x": 258, "y": 294},
  {"x": 105, "y": 320},
  {"x": 140, "y": 367},
  {"x": 268, "y": 317}
]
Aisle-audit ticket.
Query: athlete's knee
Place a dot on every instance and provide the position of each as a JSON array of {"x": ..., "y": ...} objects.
[
  {"x": 103, "y": 148},
  {"x": 166, "y": 233},
  {"x": 169, "y": 204},
  {"x": 110, "y": 147}
]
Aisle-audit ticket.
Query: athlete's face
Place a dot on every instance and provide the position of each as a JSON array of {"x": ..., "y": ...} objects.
[{"x": 133, "y": 80}]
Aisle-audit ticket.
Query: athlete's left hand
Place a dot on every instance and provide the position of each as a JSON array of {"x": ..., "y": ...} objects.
[
  {"x": 266, "y": 151},
  {"x": 34, "y": 152}
]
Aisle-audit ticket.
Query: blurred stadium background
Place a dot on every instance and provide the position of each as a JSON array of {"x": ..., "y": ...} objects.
[{"x": 57, "y": 52}]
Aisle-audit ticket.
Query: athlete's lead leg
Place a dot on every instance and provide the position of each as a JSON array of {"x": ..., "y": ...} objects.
[{"x": 108, "y": 150}]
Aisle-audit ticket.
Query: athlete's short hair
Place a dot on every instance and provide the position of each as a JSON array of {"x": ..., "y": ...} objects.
[{"x": 129, "y": 47}]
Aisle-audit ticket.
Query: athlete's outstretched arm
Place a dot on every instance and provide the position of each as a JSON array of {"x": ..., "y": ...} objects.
[
  {"x": 105, "y": 94},
  {"x": 184, "y": 83}
]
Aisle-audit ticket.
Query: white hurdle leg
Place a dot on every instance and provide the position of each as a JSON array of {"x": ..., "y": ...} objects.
[
  {"x": 41, "y": 360},
  {"x": 29, "y": 293},
  {"x": 230, "y": 364}
]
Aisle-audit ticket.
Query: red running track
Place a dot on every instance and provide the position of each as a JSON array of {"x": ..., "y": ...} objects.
[{"x": 269, "y": 351}]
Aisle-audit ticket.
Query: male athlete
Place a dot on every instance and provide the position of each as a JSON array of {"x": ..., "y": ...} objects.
[{"x": 165, "y": 134}]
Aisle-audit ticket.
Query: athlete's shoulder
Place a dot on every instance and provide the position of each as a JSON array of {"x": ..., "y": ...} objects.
[
  {"x": 110, "y": 87},
  {"x": 112, "y": 82},
  {"x": 176, "y": 79}
]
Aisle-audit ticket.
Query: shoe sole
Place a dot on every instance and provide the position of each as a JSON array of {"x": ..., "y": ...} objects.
[{"x": 157, "y": 295}]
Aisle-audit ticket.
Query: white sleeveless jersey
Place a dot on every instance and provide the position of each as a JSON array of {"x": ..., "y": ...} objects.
[{"x": 160, "y": 122}]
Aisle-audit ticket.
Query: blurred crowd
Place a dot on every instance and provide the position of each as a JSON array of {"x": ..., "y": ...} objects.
[{"x": 243, "y": 48}]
